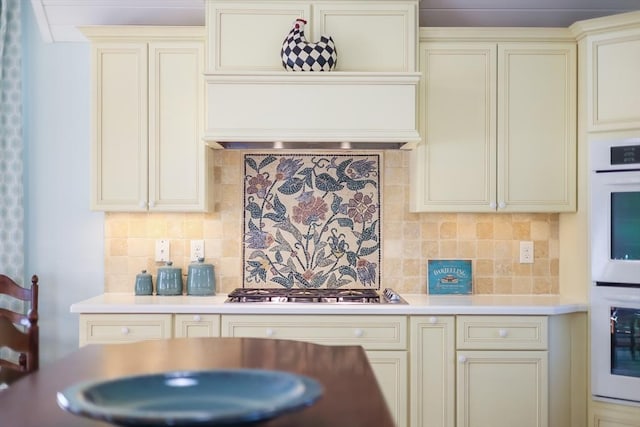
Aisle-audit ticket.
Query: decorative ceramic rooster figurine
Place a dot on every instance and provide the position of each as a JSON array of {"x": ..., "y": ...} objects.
[{"x": 300, "y": 55}]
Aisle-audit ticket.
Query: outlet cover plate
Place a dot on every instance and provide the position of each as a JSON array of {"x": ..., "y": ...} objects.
[
  {"x": 526, "y": 252},
  {"x": 162, "y": 250},
  {"x": 197, "y": 250}
]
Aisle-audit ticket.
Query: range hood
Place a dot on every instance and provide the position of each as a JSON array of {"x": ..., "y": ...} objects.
[{"x": 327, "y": 110}]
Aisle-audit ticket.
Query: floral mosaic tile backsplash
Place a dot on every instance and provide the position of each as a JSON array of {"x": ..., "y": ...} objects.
[
  {"x": 311, "y": 220},
  {"x": 397, "y": 242}
]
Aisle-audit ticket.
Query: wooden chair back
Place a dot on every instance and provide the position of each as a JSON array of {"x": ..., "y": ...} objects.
[{"x": 19, "y": 331}]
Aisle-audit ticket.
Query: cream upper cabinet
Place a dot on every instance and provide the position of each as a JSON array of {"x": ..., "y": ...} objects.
[
  {"x": 369, "y": 36},
  {"x": 613, "y": 80},
  {"x": 147, "y": 119},
  {"x": 498, "y": 123}
]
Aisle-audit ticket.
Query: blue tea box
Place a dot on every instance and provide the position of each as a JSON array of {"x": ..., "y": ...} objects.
[{"x": 449, "y": 276}]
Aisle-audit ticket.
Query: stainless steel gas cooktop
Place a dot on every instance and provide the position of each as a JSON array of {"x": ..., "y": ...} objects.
[{"x": 323, "y": 296}]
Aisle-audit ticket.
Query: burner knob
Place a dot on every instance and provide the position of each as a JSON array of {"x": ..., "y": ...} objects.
[{"x": 391, "y": 295}]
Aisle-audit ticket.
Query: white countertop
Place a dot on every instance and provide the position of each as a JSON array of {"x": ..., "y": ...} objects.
[{"x": 418, "y": 304}]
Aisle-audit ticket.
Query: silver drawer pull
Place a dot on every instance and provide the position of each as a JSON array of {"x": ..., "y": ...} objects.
[
  {"x": 197, "y": 318},
  {"x": 124, "y": 330},
  {"x": 503, "y": 333},
  {"x": 462, "y": 358},
  {"x": 433, "y": 320},
  {"x": 358, "y": 332},
  {"x": 269, "y": 332}
]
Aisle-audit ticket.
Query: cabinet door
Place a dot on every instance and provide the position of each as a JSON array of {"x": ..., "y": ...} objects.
[
  {"x": 453, "y": 168},
  {"x": 502, "y": 389},
  {"x": 177, "y": 155},
  {"x": 432, "y": 367},
  {"x": 613, "y": 61},
  {"x": 119, "y": 126},
  {"x": 196, "y": 325},
  {"x": 604, "y": 414},
  {"x": 390, "y": 368},
  {"x": 248, "y": 36},
  {"x": 537, "y": 127},
  {"x": 369, "y": 36}
]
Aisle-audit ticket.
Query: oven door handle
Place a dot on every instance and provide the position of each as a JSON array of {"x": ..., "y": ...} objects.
[
  {"x": 631, "y": 181},
  {"x": 625, "y": 299}
]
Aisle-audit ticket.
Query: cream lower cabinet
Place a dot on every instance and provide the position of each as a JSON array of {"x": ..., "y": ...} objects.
[
  {"x": 498, "y": 124},
  {"x": 502, "y": 371},
  {"x": 604, "y": 414},
  {"x": 498, "y": 371},
  {"x": 147, "y": 109},
  {"x": 196, "y": 325},
  {"x": 432, "y": 367},
  {"x": 122, "y": 328},
  {"x": 502, "y": 388},
  {"x": 383, "y": 337}
]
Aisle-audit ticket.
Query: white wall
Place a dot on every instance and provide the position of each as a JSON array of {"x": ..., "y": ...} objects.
[{"x": 64, "y": 239}]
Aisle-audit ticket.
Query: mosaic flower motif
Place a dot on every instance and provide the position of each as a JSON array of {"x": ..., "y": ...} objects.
[
  {"x": 259, "y": 185},
  {"x": 361, "y": 208},
  {"x": 310, "y": 211},
  {"x": 315, "y": 223},
  {"x": 258, "y": 239}
]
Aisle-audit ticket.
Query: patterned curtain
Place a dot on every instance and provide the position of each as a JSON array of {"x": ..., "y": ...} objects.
[
  {"x": 11, "y": 189},
  {"x": 11, "y": 167}
]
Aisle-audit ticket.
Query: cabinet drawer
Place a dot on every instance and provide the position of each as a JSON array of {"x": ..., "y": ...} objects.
[
  {"x": 196, "y": 325},
  {"x": 501, "y": 332},
  {"x": 371, "y": 332},
  {"x": 120, "y": 328}
]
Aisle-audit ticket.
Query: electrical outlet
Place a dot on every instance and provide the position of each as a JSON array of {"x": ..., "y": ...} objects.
[
  {"x": 197, "y": 249},
  {"x": 526, "y": 252},
  {"x": 162, "y": 250}
]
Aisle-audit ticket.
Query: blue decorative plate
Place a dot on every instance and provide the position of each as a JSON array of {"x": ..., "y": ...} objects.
[{"x": 192, "y": 398}]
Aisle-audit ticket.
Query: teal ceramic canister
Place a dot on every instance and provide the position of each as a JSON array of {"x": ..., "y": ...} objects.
[
  {"x": 144, "y": 283},
  {"x": 201, "y": 279},
  {"x": 169, "y": 280}
]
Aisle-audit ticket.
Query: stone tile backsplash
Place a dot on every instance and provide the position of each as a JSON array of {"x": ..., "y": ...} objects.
[{"x": 409, "y": 239}]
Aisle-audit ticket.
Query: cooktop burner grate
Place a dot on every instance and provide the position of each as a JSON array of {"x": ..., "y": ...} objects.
[{"x": 362, "y": 296}]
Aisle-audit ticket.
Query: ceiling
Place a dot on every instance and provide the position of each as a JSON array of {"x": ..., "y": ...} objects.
[{"x": 58, "y": 19}]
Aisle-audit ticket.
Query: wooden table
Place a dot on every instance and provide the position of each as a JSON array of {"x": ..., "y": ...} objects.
[{"x": 351, "y": 395}]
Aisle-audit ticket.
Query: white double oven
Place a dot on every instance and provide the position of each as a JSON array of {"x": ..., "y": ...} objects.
[{"x": 615, "y": 269}]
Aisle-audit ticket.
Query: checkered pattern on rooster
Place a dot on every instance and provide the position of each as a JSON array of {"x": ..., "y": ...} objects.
[{"x": 300, "y": 55}]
